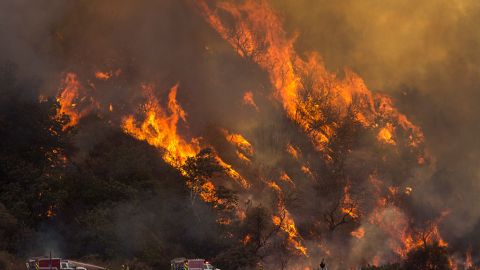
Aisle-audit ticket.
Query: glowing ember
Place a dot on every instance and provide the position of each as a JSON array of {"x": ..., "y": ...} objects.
[
  {"x": 284, "y": 177},
  {"x": 359, "y": 233},
  {"x": 50, "y": 212},
  {"x": 306, "y": 170},
  {"x": 274, "y": 186},
  {"x": 293, "y": 151},
  {"x": 249, "y": 101},
  {"x": 246, "y": 239},
  {"x": 102, "y": 75},
  {"x": 468, "y": 259}
]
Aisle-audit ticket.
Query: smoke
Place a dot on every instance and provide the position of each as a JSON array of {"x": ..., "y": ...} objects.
[{"x": 28, "y": 37}]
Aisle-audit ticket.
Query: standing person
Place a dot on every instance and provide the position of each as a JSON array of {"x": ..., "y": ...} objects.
[{"x": 323, "y": 265}]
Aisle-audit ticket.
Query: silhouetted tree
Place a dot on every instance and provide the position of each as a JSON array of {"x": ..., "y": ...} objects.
[{"x": 428, "y": 257}]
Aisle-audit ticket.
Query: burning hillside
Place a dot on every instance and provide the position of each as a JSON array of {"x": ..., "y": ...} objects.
[{"x": 217, "y": 136}]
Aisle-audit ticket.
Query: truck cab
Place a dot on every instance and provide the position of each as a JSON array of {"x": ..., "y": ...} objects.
[{"x": 208, "y": 266}]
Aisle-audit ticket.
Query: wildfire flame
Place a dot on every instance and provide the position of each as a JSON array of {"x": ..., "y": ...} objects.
[
  {"x": 159, "y": 127},
  {"x": 67, "y": 98},
  {"x": 257, "y": 34},
  {"x": 244, "y": 148},
  {"x": 402, "y": 237},
  {"x": 298, "y": 83},
  {"x": 385, "y": 135},
  {"x": 230, "y": 171},
  {"x": 73, "y": 101},
  {"x": 349, "y": 206},
  {"x": 287, "y": 224},
  {"x": 208, "y": 193}
]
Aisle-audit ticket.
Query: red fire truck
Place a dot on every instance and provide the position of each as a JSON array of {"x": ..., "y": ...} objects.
[
  {"x": 191, "y": 264},
  {"x": 47, "y": 263}
]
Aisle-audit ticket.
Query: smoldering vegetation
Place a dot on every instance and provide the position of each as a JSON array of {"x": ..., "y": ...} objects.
[{"x": 94, "y": 192}]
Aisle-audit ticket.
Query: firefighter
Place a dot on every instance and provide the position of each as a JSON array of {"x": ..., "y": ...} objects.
[{"x": 322, "y": 264}]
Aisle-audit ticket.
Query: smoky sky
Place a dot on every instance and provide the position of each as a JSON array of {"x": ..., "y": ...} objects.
[{"x": 426, "y": 54}]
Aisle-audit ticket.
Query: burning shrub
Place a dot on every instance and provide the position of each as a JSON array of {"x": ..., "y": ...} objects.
[{"x": 429, "y": 257}]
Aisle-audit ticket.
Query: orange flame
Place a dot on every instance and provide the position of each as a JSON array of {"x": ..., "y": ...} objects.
[
  {"x": 244, "y": 148},
  {"x": 208, "y": 193},
  {"x": 159, "y": 128},
  {"x": 230, "y": 171},
  {"x": 240, "y": 141},
  {"x": 385, "y": 135},
  {"x": 69, "y": 99},
  {"x": 348, "y": 204},
  {"x": 66, "y": 100},
  {"x": 402, "y": 237},
  {"x": 257, "y": 34},
  {"x": 287, "y": 224}
]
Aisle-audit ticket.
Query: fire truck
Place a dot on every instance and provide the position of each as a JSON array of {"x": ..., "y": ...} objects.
[
  {"x": 48, "y": 263},
  {"x": 191, "y": 264}
]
